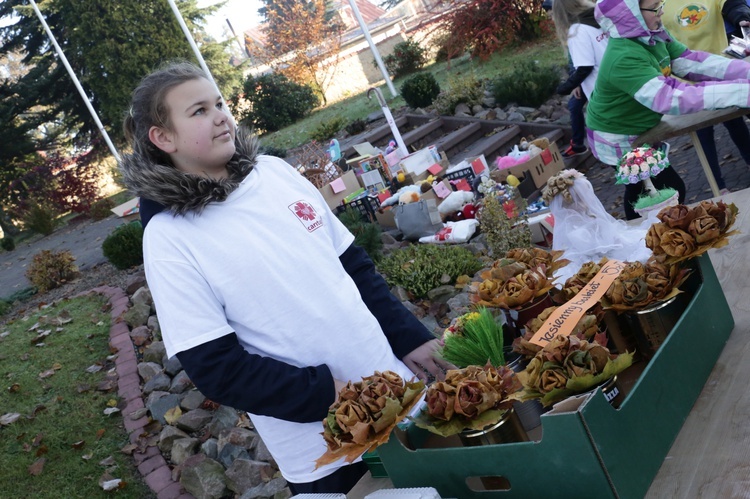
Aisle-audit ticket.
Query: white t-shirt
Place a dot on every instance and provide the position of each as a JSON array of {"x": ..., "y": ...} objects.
[
  {"x": 586, "y": 45},
  {"x": 264, "y": 264}
]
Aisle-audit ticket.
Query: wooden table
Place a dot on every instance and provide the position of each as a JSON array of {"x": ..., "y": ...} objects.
[
  {"x": 711, "y": 455},
  {"x": 673, "y": 126}
]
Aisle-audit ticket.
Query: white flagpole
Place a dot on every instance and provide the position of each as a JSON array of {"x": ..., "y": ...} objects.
[
  {"x": 75, "y": 81},
  {"x": 373, "y": 48},
  {"x": 191, "y": 41}
]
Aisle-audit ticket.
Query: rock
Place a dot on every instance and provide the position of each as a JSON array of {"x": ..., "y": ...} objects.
[
  {"x": 241, "y": 437},
  {"x": 160, "y": 382},
  {"x": 244, "y": 474},
  {"x": 487, "y": 114},
  {"x": 162, "y": 405},
  {"x": 462, "y": 109},
  {"x": 500, "y": 114},
  {"x": 168, "y": 436},
  {"x": 190, "y": 462},
  {"x": 270, "y": 489},
  {"x": 147, "y": 370},
  {"x": 211, "y": 448},
  {"x": 137, "y": 315},
  {"x": 142, "y": 297},
  {"x": 192, "y": 400},
  {"x": 561, "y": 116},
  {"x": 387, "y": 238},
  {"x": 224, "y": 418},
  {"x": 459, "y": 304},
  {"x": 489, "y": 102},
  {"x": 262, "y": 453},
  {"x": 546, "y": 110},
  {"x": 138, "y": 414},
  {"x": 154, "y": 396},
  {"x": 515, "y": 116},
  {"x": 418, "y": 312},
  {"x": 442, "y": 293},
  {"x": 476, "y": 109},
  {"x": 153, "y": 325},
  {"x": 400, "y": 293},
  {"x": 183, "y": 448},
  {"x": 135, "y": 282},
  {"x": 172, "y": 366},
  {"x": 206, "y": 480},
  {"x": 525, "y": 110},
  {"x": 180, "y": 383},
  {"x": 463, "y": 115},
  {"x": 140, "y": 335},
  {"x": 154, "y": 352},
  {"x": 230, "y": 453},
  {"x": 431, "y": 324},
  {"x": 193, "y": 421}
]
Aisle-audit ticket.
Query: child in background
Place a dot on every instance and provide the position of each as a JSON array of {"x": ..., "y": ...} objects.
[
  {"x": 585, "y": 43},
  {"x": 701, "y": 27},
  {"x": 260, "y": 292},
  {"x": 641, "y": 77}
]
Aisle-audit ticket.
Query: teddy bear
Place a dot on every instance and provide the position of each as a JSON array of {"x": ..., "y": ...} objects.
[{"x": 457, "y": 206}]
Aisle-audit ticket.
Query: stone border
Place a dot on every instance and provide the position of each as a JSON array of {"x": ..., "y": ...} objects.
[{"x": 151, "y": 464}]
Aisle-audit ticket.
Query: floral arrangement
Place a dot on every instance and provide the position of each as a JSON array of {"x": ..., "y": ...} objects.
[
  {"x": 475, "y": 338},
  {"x": 365, "y": 413},
  {"x": 516, "y": 280},
  {"x": 580, "y": 279},
  {"x": 560, "y": 184},
  {"x": 683, "y": 232},
  {"x": 470, "y": 398},
  {"x": 639, "y": 285},
  {"x": 568, "y": 365},
  {"x": 587, "y": 328},
  {"x": 640, "y": 164}
]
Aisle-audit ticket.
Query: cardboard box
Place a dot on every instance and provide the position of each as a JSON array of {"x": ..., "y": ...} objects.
[
  {"x": 335, "y": 192},
  {"x": 420, "y": 161},
  {"x": 541, "y": 167},
  {"x": 386, "y": 219},
  {"x": 591, "y": 450}
]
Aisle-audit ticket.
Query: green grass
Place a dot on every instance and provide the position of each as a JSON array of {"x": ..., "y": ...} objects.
[
  {"x": 546, "y": 50},
  {"x": 61, "y": 410}
]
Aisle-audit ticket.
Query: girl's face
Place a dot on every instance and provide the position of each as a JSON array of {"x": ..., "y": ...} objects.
[
  {"x": 652, "y": 10},
  {"x": 201, "y": 135}
]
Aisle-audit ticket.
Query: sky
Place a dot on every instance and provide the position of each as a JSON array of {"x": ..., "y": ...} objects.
[{"x": 243, "y": 14}]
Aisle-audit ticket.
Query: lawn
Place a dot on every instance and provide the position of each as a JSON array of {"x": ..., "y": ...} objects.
[
  {"x": 56, "y": 438},
  {"x": 546, "y": 51}
]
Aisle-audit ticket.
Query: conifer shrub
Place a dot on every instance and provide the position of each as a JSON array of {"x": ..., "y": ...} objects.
[
  {"x": 502, "y": 233},
  {"x": 51, "y": 269},
  {"x": 276, "y": 102},
  {"x": 124, "y": 246},
  {"x": 529, "y": 84},
  {"x": 7, "y": 243},
  {"x": 463, "y": 89},
  {"x": 279, "y": 152},
  {"x": 356, "y": 126},
  {"x": 101, "y": 209},
  {"x": 420, "y": 90},
  {"x": 327, "y": 129},
  {"x": 420, "y": 268},
  {"x": 407, "y": 57},
  {"x": 41, "y": 218},
  {"x": 366, "y": 234}
]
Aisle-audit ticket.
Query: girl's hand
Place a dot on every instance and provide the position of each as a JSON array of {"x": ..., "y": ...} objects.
[
  {"x": 576, "y": 92},
  {"x": 425, "y": 358}
]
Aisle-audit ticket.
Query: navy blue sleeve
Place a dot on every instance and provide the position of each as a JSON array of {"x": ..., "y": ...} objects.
[
  {"x": 148, "y": 209},
  {"x": 735, "y": 11},
  {"x": 574, "y": 80},
  {"x": 403, "y": 330},
  {"x": 226, "y": 373}
]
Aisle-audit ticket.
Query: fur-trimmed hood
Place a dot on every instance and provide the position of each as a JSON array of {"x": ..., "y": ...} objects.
[{"x": 183, "y": 193}]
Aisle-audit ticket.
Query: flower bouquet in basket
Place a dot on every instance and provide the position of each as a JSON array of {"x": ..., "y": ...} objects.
[
  {"x": 518, "y": 279},
  {"x": 638, "y": 286},
  {"x": 684, "y": 232},
  {"x": 568, "y": 365},
  {"x": 365, "y": 414},
  {"x": 587, "y": 328},
  {"x": 469, "y": 399},
  {"x": 475, "y": 338},
  {"x": 639, "y": 165}
]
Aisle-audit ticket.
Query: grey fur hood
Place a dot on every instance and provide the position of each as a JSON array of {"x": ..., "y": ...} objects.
[{"x": 183, "y": 193}]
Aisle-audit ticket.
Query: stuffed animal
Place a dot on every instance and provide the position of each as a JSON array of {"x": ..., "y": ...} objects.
[
  {"x": 454, "y": 203},
  {"x": 541, "y": 142},
  {"x": 409, "y": 197}
]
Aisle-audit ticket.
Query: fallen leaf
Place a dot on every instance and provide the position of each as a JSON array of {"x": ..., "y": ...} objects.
[
  {"x": 38, "y": 409},
  {"x": 129, "y": 449},
  {"x": 87, "y": 456},
  {"x": 172, "y": 415},
  {"x": 47, "y": 373},
  {"x": 56, "y": 366},
  {"x": 37, "y": 439},
  {"x": 37, "y": 467},
  {"x": 111, "y": 403},
  {"x": 78, "y": 445},
  {"x": 100, "y": 433},
  {"x": 14, "y": 388},
  {"x": 107, "y": 461},
  {"x": 24, "y": 356},
  {"x": 34, "y": 327},
  {"x": 111, "y": 410},
  {"x": 107, "y": 385},
  {"x": 94, "y": 368},
  {"x": 9, "y": 418},
  {"x": 84, "y": 387},
  {"x": 42, "y": 450},
  {"x": 111, "y": 484},
  {"x": 39, "y": 345}
]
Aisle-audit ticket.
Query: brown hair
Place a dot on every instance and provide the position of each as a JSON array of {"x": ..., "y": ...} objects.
[
  {"x": 565, "y": 13},
  {"x": 148, "y": 106}
]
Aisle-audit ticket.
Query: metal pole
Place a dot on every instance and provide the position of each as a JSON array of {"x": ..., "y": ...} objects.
[
  {"x": 373, "y": 48},
  {"x": 190, "y": 40},
  {"x": 389, "y": 119},
  {"x": 76, "y": 82}
]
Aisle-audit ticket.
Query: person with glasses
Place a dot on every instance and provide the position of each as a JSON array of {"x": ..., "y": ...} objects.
[
  {"x": 700, "y": 26},
  {"x": 644, "y": 74}
]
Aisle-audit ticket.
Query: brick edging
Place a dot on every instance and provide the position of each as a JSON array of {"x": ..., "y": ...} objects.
[{"x": 151, "y": 464}]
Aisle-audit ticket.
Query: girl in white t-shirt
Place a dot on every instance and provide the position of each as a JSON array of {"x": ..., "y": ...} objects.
[
  {"x": 585, "y": 43},
  {"x": 260, "y": 292}
]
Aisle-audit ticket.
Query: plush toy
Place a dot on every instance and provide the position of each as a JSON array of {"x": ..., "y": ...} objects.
[
  {"x": 541, "y": 142},
  {"x": 454, "y": 203},
  {"x": 409, "y": 197}
]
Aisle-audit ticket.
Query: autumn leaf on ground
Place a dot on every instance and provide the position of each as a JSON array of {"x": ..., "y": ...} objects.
[
  {"x": 129, "y": 449},
  {"x": 37, "y": 467},
  {"x": 100, "y": 433},
  {"x": 56, "y": 366},
  {"x": 9, "y": 418},
  {"x": 38, "y": 409},
  {"x": 46, "y": 374},
  {"x": 37, "y": 440},
  {"x": 108, "y": 461},
  {"x": 172, "y": 415},
  {"x": 84, "y": 387},
  {"x": 34, "y": 327},
  {"x": 14, "y": 388},
  {"x": 78, "y": 445},
  {"x": 111, "y": 403},
  {"x": 111, "y": 410},
  {"x": 42, "y": 450}
]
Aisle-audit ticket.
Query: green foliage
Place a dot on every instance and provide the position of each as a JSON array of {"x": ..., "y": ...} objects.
[
  {"x": 7, "y": 243},
  {"x": 419, "y": 268},
  {"x": 276, "y": 102},
  {"x": 270, "y": 150},
  {"x": 356, "y": 126},
  {"x": 501, "y": 232},
  {"x": 407, "y": 57},
  {"x": 461, "y": 89},
  {"x": 420, "y": 90},
  {"x": 101, "y": 209},
  {"x": 124, "y": 246},
  {"x": 366, "y": 234},
  {"x": 4, "y": 307},
  {"x": 41, "y": 218},
  {"x": 327, "y": 129},
  {"x": 51, "y": 269},
  {"x": 478, "y": 338},
  {"x": 531, "y": 84},
  {"x": 60, "y": 405}
]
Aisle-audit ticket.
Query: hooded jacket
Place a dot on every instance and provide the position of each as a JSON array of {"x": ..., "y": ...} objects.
[{"x": 643, "y": 76}]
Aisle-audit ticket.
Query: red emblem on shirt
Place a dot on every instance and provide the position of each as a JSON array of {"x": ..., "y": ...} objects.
[{"x": 306, "y": 214}]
